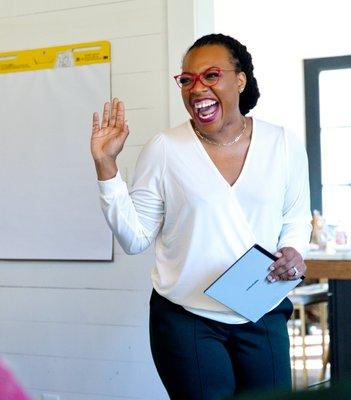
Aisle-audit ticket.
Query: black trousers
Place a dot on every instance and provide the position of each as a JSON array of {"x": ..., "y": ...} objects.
[{"x": 201, "y": 359}]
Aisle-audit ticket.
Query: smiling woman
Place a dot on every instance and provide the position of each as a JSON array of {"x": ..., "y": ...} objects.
[
  {"x": 232, "y": 87},
  {"x": 207, "y": 190}
]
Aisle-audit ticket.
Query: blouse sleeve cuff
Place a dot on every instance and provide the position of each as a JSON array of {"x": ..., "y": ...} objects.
[{"x": 112, "y": 187}]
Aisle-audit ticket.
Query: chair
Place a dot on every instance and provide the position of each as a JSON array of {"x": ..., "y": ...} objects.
[{"x": 301, "y": 297}]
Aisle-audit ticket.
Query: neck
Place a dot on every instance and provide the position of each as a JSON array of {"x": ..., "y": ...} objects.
[{"x": 227, "y": 136}]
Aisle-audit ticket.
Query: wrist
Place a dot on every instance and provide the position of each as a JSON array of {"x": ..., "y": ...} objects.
[{"x": 106, "y": 169}]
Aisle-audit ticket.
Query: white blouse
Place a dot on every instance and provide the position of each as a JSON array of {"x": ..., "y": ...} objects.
[{"x": 201, "y": 223}]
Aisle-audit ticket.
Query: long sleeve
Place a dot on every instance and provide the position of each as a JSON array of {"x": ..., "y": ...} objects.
[
  {"x": 136, "y": 217},
  {"x": 179, "y": 197},
  {"x": 296, "y": 228}
]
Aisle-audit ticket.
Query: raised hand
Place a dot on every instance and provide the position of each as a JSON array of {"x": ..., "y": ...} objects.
[{"x": 107, "y": 140}]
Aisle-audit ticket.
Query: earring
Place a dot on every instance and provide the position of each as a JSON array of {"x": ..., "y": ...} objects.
[{"x": 241, "y": 90}]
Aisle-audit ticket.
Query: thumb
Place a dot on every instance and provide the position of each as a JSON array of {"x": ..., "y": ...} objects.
[
  {"x": 278, "y": 254},
  {"x": 125, "y": 128}
]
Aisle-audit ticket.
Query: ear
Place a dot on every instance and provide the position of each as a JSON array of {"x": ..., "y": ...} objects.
[{"x": 241, "y": 81}]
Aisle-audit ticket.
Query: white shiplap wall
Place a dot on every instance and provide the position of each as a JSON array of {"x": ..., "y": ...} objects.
[{"x": 78, "y": 329}]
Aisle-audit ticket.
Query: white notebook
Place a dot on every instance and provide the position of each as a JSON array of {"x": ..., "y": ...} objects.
[{"x": 244, "y": 287}]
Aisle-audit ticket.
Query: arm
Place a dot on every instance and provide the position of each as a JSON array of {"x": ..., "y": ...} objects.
[
  {"x": 296, "y": 229},
  {"x": 134, "y": 218}
]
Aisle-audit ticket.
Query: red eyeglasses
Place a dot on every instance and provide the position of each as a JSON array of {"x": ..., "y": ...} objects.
[{"x": 208, "y": 78}]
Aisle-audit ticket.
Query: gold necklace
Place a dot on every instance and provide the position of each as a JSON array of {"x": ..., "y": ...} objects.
[{"x": 223, "y": 144}]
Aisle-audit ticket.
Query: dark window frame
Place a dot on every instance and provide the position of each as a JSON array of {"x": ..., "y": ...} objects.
[{"x": 312, "y": 69}]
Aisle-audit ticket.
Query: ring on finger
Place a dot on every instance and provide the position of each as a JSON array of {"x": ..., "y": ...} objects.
[{"x": 296, "y": 271}]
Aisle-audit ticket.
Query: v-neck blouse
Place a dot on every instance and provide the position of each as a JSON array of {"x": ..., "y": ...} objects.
[
  {"x": 247, "y": 158},
  {"x": 201, "y": 223}
]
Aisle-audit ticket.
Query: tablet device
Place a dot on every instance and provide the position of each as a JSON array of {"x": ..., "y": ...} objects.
[{"x": 244, "y": 287}]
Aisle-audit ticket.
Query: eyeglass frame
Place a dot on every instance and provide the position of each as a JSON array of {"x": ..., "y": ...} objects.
[{"x": 199, "y": 76}]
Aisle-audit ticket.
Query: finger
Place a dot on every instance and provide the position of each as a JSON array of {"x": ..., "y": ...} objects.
[
  {"x": 105, "y": 115},
  {"x": 290, "y": 252},
  {"x": 278, "y": 264},
  {"x": 280, "y": 267},
  {"x": 292, "y": 270},
  {"x": 290, "y": 274},
  {"x": 126, "y": 128},
  {"x": 288, "y": 255},
  {"x": 113, "y": 118},
  {"x": 286, "y": 266},
  {"x": 96, "y": 124},
  {"x": 283, "y": 276},
  {"x": 120, "y": 115},
  {"x": 125, "y": 132},
  {"x": 277, "y": 254},
  {"x": 290, "y": 259},
  {"x": 271, "y": 278},
  {"x": 287, "y": 271}
]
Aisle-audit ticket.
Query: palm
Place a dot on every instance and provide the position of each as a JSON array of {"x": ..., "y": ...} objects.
[
  {"x": 106, "y": 143},
  {"x": 108, "y": 139}
]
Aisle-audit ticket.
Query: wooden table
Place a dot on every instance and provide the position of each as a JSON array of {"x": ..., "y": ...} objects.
[
  {"x": 331, "y": 266},
  {"x": 337, "y": 269}
]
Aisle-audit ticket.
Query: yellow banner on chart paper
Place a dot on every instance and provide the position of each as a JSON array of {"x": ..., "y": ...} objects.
[{"x": 55, "y": 57}]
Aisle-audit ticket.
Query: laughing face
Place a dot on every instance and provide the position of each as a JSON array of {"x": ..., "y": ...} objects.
[{"x": 214, "y": 109}]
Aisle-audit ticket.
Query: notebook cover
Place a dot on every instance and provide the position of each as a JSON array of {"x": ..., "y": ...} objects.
[{"x": 244, "y": 287}]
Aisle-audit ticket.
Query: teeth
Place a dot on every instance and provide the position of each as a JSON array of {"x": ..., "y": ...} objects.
[
  {"x": 204, "y": 117},
  {"x": 204, "y": 103}
]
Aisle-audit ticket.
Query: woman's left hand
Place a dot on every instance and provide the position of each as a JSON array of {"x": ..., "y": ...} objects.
[{"x": 289, "y": 266}]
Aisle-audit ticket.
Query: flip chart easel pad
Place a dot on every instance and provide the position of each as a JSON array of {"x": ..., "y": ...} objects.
[{"x": 49, "y": 200}]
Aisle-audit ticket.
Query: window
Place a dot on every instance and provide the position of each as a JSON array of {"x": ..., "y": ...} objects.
[{"x": 328, "y": 136}]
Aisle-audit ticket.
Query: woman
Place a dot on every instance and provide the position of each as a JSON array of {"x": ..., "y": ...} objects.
[{"x": 207, "y": 190}]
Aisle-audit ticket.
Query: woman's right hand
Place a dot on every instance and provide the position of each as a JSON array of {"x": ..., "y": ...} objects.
[{"x": 107, "y": 140}]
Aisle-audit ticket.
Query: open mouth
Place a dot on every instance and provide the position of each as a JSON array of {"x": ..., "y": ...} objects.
[{"x": 206, "y": 110}]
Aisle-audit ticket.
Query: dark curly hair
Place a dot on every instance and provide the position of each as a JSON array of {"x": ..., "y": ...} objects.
[{"x": 242, "y": 61}]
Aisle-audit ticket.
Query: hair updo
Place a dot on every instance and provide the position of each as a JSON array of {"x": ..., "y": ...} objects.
[{"x": 241, "y": 60}]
